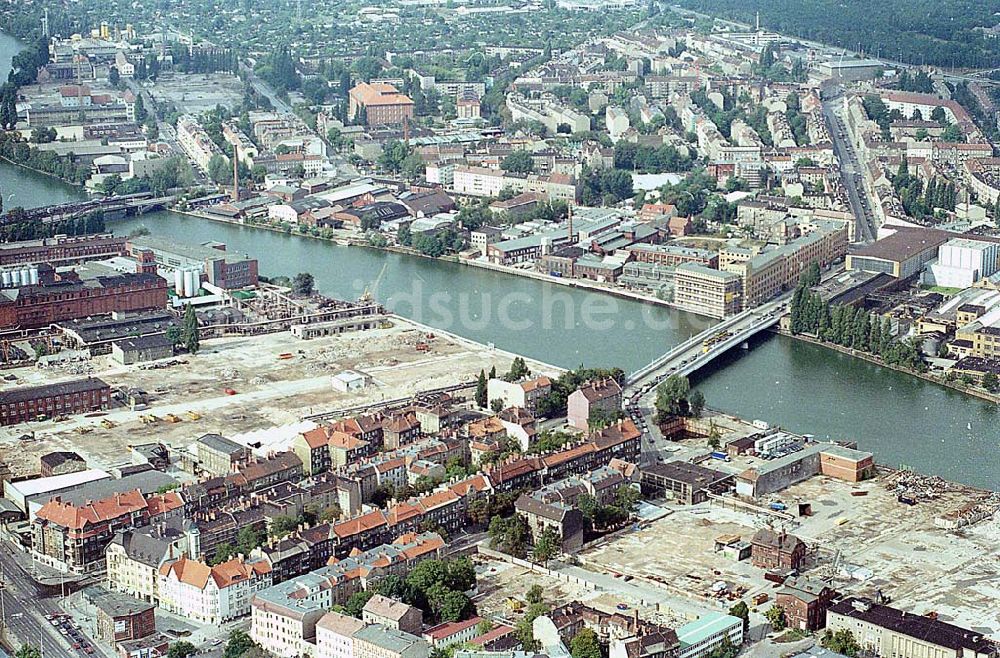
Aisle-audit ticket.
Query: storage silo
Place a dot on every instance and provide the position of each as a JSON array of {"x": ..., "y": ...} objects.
[
  {"x": 7, "y": 279},
  {"x": 34, "y": 276},
  {"x": 179, "y": 282},
  {"x": 192, "y": 281}
]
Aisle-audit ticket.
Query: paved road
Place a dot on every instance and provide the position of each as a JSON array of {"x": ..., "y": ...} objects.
[
  {"x": 851, "y": 171},
  {"x": 25, "y": 607}
]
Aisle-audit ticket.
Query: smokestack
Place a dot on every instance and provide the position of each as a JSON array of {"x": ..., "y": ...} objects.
[
  {"x": 569, "y": 215},
  {"x": 236, "y": 174}
]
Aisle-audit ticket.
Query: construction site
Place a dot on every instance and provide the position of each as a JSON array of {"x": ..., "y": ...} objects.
[
  {"x": 860, "y": 539},
  {"x": 241, "y": 384}
]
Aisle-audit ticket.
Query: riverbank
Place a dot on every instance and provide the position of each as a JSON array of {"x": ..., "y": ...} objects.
[
  {"x": 864, "y": 356},
  {"x": 349, "y": 238},
  {"x": 49, "y": 174}
]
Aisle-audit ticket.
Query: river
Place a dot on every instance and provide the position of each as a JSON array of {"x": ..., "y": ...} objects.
[{"x": 803, "y": 387}]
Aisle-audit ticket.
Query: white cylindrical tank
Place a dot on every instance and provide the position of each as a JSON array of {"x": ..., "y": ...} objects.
[
  {"x": 7, "y": 279},
  {"x": 191, "y": 283},
  {"x": 15, "y": 277},
  {"x": 179, "y": 282},
  {"x": 25, "y": 276},
  {"x": 34, "y": 276}
]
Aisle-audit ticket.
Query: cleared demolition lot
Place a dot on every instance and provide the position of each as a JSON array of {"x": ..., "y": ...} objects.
[
  {"x": 243, "y": 384},
  {"x": 858, "y": 543},
  {"x": 194, "y": 93}
]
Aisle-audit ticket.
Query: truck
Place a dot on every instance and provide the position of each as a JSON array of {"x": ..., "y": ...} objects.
[
  {"x": 778, "y": 507},
  {"x": 721, "y": 456}
]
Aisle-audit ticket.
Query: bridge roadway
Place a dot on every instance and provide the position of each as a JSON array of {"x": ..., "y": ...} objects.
[{"x": 689, "y": 356}]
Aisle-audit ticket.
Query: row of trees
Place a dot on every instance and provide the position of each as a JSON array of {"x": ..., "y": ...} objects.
[
  {"x": 852, "y": 327},
  {"x": 16, "y": 225},
  {"x": 175, "y": 172},
  {"x": 15, "y": 149},
  {"x": 922, "y": 202}
]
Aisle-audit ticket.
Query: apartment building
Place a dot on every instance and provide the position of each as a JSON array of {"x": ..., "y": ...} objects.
[
  {"x": 134, "y": 559},
  {"x": 73, "y": 537},
  {"x": 196, "y": 143},
  {"x": 211, "y": 595},
  {"x": 284, "y": 616}
]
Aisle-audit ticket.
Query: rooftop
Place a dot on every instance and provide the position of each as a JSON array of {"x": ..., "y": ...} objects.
[{"x": 915, "y": 626}]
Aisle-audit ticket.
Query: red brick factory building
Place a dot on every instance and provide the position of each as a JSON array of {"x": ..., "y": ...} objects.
[{"x": 59, "y": 297}]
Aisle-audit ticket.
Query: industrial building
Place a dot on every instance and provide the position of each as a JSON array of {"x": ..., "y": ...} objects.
[
  {"x": 961, "y": 262},
  {"x": 885, "y": 631},
  {"x": 828, "y": 459},
  {"x": 48, "y": 302},
  {"x": 141, "y": 349},
  {"x": 221, "y": 268},
  {"x": 901, "y": 255},
  {"x": 705, "y": 291},
  {"x": 686, "y": 483}
]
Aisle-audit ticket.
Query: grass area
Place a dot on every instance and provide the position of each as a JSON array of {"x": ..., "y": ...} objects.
[
  {"x": 791, "y": 635},
  {"x": 943, "y": 290}
]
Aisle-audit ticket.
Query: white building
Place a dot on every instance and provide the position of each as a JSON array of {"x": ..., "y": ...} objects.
[
  {"x": 211, "y": 595},
  {"x": 617, "y": 121},
  {"x": 961, "y": 262},
  {"x": 334, "y": 635},
  {"x": 519, "y": 394},
  {"x": 195, "y": 141}
]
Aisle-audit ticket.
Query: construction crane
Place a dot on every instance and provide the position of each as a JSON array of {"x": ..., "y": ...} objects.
[{"x": 371, "y": 290}]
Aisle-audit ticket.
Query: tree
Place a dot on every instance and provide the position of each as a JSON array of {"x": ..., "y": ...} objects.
[
  {"x": 181, "y": 649},
  {"x": 356, "y": 603},
  {"x": 239, "y": 643},
  {"x": 283, "y": 525},
  {"x": 776, "y": 616},
  {"x": 671, "y": 397},
  {"x": 696, "y": 402},
  {"x": 114, "y": 77},
  {"x": 481, "y": 391},
  {"x": 524, "y": 630},
  {"x": 218, "y": 169},
  {"x": 509, "y": 535},
  {"x": 991, "y": 382},
  {"x": 842, "y": 641},
  {"x": 496, "y": 406},
  {"x": 585, "y": 644},
  {"x": 518, "y": 370},
  {"x": 140, "y": 110},
  {"x": 190, "y": 331},
  {"x": 248, "y": 538},
  {"x": 519, "y": 162},
  {"x": 224, "y": 552},
  {"x": 546, "y": 547},
  {"x": 535, "y": 594},
  {"x": 742, "y": 610},
  {"x": 30, "y": 651},
  {"x": 111, "y": 185},
  {"x": 303, "y": 284}
]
